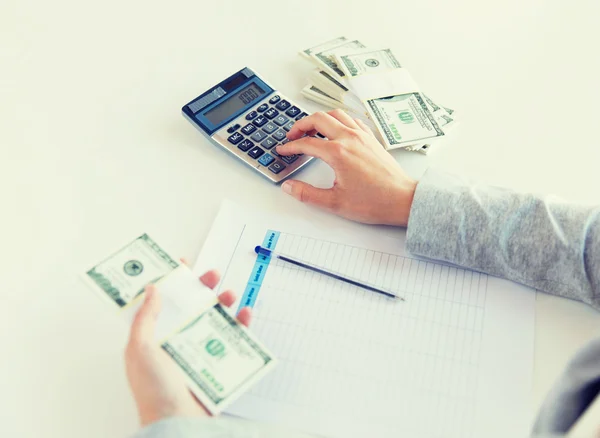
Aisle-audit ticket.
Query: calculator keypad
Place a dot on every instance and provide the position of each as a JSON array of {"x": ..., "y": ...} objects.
[{"x": 256, "y": 134}]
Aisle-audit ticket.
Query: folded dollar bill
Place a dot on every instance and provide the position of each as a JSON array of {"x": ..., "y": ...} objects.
[{"x": 219, "y": 357}]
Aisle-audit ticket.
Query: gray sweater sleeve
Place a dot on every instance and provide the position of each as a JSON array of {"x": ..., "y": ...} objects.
[
  {"x": 541, "y": 242},
  {"x": 538, "y": 241}
]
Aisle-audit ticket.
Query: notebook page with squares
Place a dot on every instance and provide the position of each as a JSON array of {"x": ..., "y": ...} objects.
[{"x": 454, "y": 359}]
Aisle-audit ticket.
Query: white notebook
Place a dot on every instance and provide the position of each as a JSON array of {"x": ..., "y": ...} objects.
[{"x": 453, "y": 360}]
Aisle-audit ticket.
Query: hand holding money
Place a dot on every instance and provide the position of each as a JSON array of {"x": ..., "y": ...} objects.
[{"x": 159, "y": 389}]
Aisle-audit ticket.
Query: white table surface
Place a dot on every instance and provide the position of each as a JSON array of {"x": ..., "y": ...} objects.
[{"x": 95, "y": 150}]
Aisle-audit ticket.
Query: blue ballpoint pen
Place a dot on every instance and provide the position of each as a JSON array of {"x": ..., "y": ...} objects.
[{"x": 268, "y": 253}]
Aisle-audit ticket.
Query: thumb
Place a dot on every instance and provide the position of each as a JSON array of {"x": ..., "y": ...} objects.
[
  {"x": 308, "y": 194},
  {"x": 142, "y": 329}
]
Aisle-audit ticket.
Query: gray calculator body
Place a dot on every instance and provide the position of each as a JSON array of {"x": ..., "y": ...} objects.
[{"x": 248, "y": 118}]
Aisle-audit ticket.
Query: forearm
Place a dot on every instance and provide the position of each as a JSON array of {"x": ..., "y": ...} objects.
[
  {"x": 541, "y": 242},
  {"x": 205, "y": 427}
]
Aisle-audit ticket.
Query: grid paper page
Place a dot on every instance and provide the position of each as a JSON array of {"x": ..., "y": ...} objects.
[{"x": 355, "y": 363}]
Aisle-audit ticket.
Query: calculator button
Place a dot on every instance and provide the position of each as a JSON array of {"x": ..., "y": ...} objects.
[
  {"x": 277, "y": 167},
  {"x": 283, "y": 105},
  {"x": 270, "y": 127},
  {"x": 251, "y": 115},
  {"x": 281, "y": 120},
  {"x": 268, "y": 143},
  {"x": 260, "y": 120},
  {"x": 262, "y": 108},
  {"x": 274, "y": 100},
  {"x": 272, "y": 113},
  {"x": 245, "y": 145},
  {"x": 233, "y": 128},
  {"x": 248, "y": 129},
  {"x": 301, "y": 116},
  {"x": 256, "y": 152},
  {"x": 258, "y": 136},
  {"x": 293, "y": 111},
  {"x": 279, "y": 135},
  {"x": 284, "y": 141},
  {"x": 289, "y": 158},
  {"x": 266, "y": 159},
  {"x": 288, "y": 125},
  {"x": 235, "y": 138}
]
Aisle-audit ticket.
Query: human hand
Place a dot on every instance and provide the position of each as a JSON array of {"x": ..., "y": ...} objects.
[
  {"x": 158, "y": 386},
  {"x": 370, "y": 186}
]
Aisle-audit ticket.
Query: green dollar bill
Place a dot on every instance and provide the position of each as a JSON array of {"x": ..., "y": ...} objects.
[
  {"x": 124, "y": 275},
  {"x": 327, "y": 57},
  {"x": 324, "y": 46},
  {"x": 403, "y": 119},
  {"x": 369, "y": 61},
  {"x": 218, "y": 356}
]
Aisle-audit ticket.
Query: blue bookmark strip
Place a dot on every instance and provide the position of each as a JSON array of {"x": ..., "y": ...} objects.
[{"x": 259, "y": 271}]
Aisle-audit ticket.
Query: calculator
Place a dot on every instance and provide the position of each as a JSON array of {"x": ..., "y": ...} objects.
[{"x": 249, "y": 118}]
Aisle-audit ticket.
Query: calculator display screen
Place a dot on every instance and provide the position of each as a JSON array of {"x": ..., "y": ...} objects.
[{"x": 233, "y": 104}]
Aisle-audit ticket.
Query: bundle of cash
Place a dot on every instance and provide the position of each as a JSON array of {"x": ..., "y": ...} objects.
[
  {"x": 218, "y": 356},
  {"x": 370, "y": 84}
]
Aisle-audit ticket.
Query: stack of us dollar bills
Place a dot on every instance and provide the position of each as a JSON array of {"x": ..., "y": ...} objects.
[{"x": 371, "y": 85}]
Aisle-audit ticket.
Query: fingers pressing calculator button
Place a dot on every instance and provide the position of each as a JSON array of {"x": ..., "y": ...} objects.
[
  {"x": 270, "y": 127},
  {"x": 268, "y": 143},
  {"x": 274, "y": 100},
  {"x": 293, "y": 111},
  {"x": 249, "y": 129},
  {"x": 281, "y": 120},
  {"x": 260, "y": 120},
  {"x": 245, "y": 145},
  {"x": 256, "y": 152},
  {"x": 279, "y": 135},
  {"x": 233, "y": 128},
  {"x": 266, "y": 159},
  {"x": 289, "y": 158},
  {"x": 301, "y": 116},
  {"x": 277, "y": 167},
  {"x": 272, "y": 113},
  {"x": 235, "y": 138},
  {"x": 288, "y": 125},
  {"x": 283, "y": 105},
  {"x": 262, "y": 108},
  {"x": 258, "y": 136},
  {"x": 251, "y": 115}
]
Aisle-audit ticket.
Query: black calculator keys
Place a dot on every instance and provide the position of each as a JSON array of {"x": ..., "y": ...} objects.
[
  {"x": 233, "y": 128},
  {"x": 271, "y": 113},
  {"x": 235, "y": 138},
  {"x": 301, "y": 116},
  {"x": 281, "y": 120},
  {"x": 277, "y": 167},
  {"x": 260, "y": 120},
  {"x": 259, "y": 136},
  {"x": 293, "y": 111},
  {"x": 268, "y": 143},
  {"x": 245, "y": 145},
  {"x": 288, "y": 125},
  {"x": 289, "y": 158},
  {"x": 279, "y": 135},
  {"x": 274, "y": 100},
  {"x": 283, "y": 105},
  {"x": 256, "y": 152},
  {"x": 248, "y": 129},
  {"x": 251, "y": 115},
  {"x": 262, "y": 108},
  {"x": 270, "y": 127}
]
